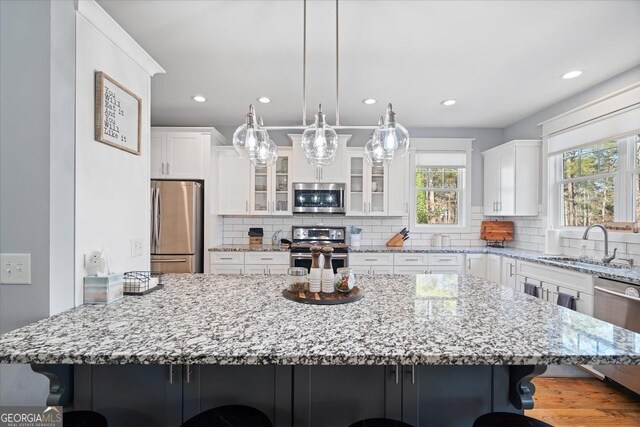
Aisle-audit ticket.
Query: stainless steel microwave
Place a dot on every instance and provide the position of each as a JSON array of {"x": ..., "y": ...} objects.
[{"x": 318, "y": 197}]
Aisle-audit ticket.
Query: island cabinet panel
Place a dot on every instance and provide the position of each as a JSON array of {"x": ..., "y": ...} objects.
[
  {"x": 267, "y": 388},
  {"x": 131, "y": 395},
  {"x": 329, "y": 396},
  {"x": 468, "y": 394}
]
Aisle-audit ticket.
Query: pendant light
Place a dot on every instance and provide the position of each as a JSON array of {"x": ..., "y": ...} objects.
[
  {"x": 250, "y": 137},
  {"x": 373, "y": 152},
  {"x": 267, "y": 152},
  {"x": 392, "y": 137},
  {"x": 320, "y": 141}
]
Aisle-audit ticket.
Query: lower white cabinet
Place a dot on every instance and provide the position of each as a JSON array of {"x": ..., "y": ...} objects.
[
  {"x": 552, "y": 280},
  {"x": 371, "y": 263},
  {"x": 440, "y": 269},
  {"x": 258, "y": 262},
  {"x": 476, "y": 265},
  {"x": 494, "y": 270},
  {"x": 508, "y": 272}
]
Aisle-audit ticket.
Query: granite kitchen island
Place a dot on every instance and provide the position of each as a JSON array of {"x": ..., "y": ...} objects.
[{"x": 428, "y": 349}]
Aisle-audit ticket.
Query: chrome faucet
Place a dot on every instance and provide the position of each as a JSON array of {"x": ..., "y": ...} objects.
[{"x": 606, "y": 259}]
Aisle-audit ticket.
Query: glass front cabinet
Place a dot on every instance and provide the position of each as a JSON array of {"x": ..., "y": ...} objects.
[
  {"x": 271, "y": 186},
  {"x": 367, "y": 186}
]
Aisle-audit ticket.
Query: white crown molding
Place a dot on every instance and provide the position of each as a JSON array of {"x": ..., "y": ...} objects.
[
  {"x": 617, "y": 101},
  {"x": 105, "y": 24}
]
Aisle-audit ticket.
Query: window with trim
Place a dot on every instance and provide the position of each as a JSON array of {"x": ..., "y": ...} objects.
[
  {"x": 437, "y": 195},
  {"x": 595, "y": 182},
  {"x": 439, "y": 180}
]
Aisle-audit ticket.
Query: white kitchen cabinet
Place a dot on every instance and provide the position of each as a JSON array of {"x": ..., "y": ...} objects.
[
  {"x": 367, "y": 186},
  {"x": 511, "y": 177},
  {"x": 476, "y": 264},
  {"x": 410, "y": 269},
  {"x": 371, "y": 263},
  {"x": 399, "y": 185},
  {"x": 258, "y": 262},
  {"x": 304, "y": 172},
  {"x": 494, "y": 268},
  {"x": 441, "y": 269},
  {"x": 234, "y": 176},
  {"x": 271, "y": 187},
  {"x": 508, "y": 275},
  {"x": 445, "y": 260},
  {"x": 178, "y": 154},
  {"x": 552, "y": 280},
  {"x": 226, "y": 262}
]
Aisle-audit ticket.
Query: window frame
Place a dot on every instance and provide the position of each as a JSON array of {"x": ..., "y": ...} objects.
[
  {"x": 624, "y": 207},
  {"x": 463, "y": 190}
]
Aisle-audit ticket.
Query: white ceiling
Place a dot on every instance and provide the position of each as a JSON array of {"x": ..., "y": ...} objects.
[{"x": 500, "y": 60}]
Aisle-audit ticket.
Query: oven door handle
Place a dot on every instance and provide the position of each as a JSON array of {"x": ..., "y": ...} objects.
[{"x": 617, "y": 294}]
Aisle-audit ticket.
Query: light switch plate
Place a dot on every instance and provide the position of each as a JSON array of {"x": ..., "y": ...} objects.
[
  {"x": 136, "y": 247},
  {"x": 15, "y": 269}
]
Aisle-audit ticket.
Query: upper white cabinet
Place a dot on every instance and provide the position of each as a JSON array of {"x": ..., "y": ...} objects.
[
  {"x": 271, "y": 186},
  {"x": 512, "y": 179},
  {"x": 367, "y": 186},
  {"x": 178, "y": 154},
  {"x": 304, "y": 172},
  {"x": 399, "y": 185},
  {"x": 234, "y": 187}
]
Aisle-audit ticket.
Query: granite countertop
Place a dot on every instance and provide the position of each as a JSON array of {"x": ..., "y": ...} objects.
[
  {"x": 243, "y": 319},
  {"x": 618, "y": 272},
  {"x": 248, "y": 248}
]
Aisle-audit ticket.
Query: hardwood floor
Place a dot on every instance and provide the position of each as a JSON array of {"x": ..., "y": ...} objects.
[{"x": 585, "y": 402}]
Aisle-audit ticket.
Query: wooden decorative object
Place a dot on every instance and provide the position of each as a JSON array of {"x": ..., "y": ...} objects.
[
  {"x": 496, "y": 231},
  {"x": 118, "y": 115},
  {"x": 621, "y": 227},
  {"x": 255, "y": 241},
  {"x": 396, "y": 241},
  {"x": 321, "y": 298}
]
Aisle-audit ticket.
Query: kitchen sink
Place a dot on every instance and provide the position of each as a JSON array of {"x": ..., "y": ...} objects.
[{"x": 580, "y": 262}]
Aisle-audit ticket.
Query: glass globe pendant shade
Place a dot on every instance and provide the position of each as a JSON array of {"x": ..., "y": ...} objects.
[
  {"x": 267, "y": 154},
  {"x": 247, "y": 138},
  {"x": 392, "y": 137},
  {"x": 373, "y": 152},
  {"x": 320, "y": 141}
]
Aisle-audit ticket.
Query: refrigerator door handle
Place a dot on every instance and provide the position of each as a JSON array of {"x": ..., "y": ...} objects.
[
  {"x": 158, "y": 216},
  {"x": 153, "y": 217}
]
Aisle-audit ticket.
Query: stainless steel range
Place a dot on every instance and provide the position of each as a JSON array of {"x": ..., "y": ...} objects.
[{"x": 304, "y": 237}]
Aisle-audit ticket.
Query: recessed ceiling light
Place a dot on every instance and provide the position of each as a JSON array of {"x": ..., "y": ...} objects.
[
  {"x": 571, "y": 74},
  {"x": 369, "y": 101},
  {"x": 199, "y": 98},
  {"x": 264, "y": 100},
  {"x": 448, "y": 102}
]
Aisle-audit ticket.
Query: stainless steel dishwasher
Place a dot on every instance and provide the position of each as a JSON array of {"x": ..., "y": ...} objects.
[{"x": 619, "y": 303}]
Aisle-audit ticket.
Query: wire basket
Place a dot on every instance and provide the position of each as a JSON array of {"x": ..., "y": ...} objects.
[{"x": 140, "y": 282}]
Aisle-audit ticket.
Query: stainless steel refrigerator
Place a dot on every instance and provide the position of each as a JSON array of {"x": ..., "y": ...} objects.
[{"x": 176, "y": 227}]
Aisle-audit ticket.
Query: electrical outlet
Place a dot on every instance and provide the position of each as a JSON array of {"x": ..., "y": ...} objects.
[
  {"x": 15, "y": 269},
  {"x": 136, "y": 247}
]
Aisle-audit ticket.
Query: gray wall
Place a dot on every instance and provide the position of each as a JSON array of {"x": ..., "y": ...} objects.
[
  {"x": 484, "y": 139},
  {"x": 32, "y": 114},
  {"x": 528, "y": 128}
]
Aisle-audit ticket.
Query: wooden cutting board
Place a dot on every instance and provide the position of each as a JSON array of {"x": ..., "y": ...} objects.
[{"x": 497, "y": 231}]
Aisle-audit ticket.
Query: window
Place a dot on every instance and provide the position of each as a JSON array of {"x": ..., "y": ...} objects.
[
  {"x": 635, "y": 177},
  {"x": 437, "y": 195},
  {"x": 595, "y": 182},
  {"x": 439, "y": 180},
  {"x": 588, "y": 184}
]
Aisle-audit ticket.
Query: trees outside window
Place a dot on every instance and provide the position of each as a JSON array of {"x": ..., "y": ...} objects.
[
  {"x": 601, "y": 182},
  {"x": 437, "y": 195}
]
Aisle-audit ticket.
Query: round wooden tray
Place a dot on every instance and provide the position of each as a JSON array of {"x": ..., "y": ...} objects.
[{"x": 325, "y": 299}]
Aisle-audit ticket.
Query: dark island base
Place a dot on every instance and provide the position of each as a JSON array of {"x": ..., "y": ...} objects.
[{"x": 167, "y": 395}]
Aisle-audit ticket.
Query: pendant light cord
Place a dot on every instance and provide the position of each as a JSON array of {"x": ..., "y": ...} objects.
[
  {"x": 304, "y": 64},
  {"x": 337, "y": 70}
]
